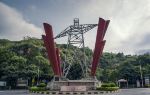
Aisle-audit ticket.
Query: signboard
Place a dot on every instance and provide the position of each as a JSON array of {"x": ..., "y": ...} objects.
[
  {"x": 147, "y": 82},
  {"x": 138, "y": 83},
  {"x": 2, "y": 83},
  {"x": 73, "y": 88},
  {"x": 22, "y": 82}
]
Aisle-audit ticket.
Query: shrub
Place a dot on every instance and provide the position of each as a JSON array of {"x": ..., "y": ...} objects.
[
  {"x": 47, "y": 92},
  {"x": 148, "y": 86},
  {"x": 112, "y": 84},
  {"x": 105, "y": 85},
  {"x": 108, "y": 85},
  {"x": 107, "y": 88},
  {"x": 42, "y": 85},
  {"x": 35, "y": 88},
  {"x": 42, "y": 88}
]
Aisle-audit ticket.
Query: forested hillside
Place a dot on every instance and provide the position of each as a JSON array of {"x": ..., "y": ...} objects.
[{"x": 27, "y": 58}]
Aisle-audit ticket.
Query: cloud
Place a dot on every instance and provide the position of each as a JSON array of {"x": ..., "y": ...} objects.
[
  {"x": 133, "y": 26},
  {"x": 32, "y": 8},
  {"x": 128, "y": 30},
  {"x": 13, "y": 26},
  {"x": 129, "y": 23}
]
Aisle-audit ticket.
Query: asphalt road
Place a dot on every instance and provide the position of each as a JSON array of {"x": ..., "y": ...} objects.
[
  {"x": 15, "y": 92},
  {"x": 136, "y": 91}
]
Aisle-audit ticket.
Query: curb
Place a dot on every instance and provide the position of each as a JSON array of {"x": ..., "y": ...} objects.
[{"x": 75, "y": 93}]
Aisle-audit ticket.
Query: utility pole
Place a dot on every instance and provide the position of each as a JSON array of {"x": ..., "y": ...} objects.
[
  {"x": 38, "y": 76},
  {"x": 141, "y": 73}
]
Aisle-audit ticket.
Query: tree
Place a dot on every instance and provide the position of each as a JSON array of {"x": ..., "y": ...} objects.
[
  {"x": 75, "y": 72},
  {"x": 43, "y": 65},
  {"x": 23, "y": 58},
  {"x": 128, "y": 71},
  {"x": 5, "y": 56}
]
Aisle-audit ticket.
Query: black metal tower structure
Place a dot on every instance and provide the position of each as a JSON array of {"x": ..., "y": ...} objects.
[{"x": 75, "y": 35}]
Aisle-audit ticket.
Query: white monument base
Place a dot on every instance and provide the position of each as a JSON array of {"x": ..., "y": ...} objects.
[{"x": 70, "y": 85}]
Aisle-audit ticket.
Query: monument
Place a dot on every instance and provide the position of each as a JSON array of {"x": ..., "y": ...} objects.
[{"x": 75, "y": 35}]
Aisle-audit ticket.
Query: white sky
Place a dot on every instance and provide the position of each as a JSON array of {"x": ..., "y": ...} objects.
[{"x": 128, "y": 31}]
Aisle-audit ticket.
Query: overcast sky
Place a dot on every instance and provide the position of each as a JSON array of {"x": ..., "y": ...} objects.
[{"x": 128, "y": 31}]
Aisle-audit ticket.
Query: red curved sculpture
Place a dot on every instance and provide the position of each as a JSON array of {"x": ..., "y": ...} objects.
[
  {"x": 99, "y": 44},
  {"x": 58, "y": 59},
  {"x": 50, "y": 46}
]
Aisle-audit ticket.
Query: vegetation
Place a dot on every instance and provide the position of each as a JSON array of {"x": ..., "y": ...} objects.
[
  {"x": 148, "y": 86},
  {"x": 40, "y": 87},
  {"x": 28, "y": 58},
  {"x": 108, "y": 87}
]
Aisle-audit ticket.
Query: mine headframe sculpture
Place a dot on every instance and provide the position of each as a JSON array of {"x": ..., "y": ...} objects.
[{"x": 75, "y": 35}]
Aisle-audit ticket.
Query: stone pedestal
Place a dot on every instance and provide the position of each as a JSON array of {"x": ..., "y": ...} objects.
[{"x": 56, "y": 83}]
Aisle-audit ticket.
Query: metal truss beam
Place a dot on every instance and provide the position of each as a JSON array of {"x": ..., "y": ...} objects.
[{"x": 75, "y": 35}]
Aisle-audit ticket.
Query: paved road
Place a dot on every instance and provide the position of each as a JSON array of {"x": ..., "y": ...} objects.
[
  {"x": 14, "y": 92},
  {"x": 137, "y": 91}
]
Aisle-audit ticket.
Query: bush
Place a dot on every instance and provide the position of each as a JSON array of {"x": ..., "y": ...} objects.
[
  {"x": 42, "y": 85},
  {"x": 107, "y": 88},
  {"x": 148, "y": 86},
  {"x": 112, "y": 84},
  {"x": 42, "y": 88},
  {"x": 47, "y": 92},
  {"x": 108, "y": 85},
  {"x": 35, "y": 88},
  {"x": 105, "y": 85}
]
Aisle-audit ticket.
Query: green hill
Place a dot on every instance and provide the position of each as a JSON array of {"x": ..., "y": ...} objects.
[{"x": 22, "y": 59}]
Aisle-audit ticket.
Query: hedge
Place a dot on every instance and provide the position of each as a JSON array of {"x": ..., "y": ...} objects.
[
  {"x": 108, "y": 85},
  {"x": 148, "y": 86},
  {"x": 35, "y": 88},
  {"x": 42, "y": 85},
  {"x": 107, "y": 88}
]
